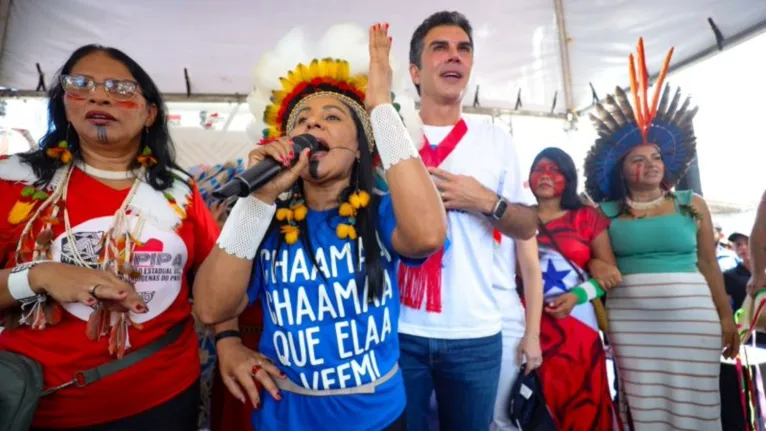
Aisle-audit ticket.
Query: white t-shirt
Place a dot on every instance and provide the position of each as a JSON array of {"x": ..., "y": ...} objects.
[
  {"x": 504, "y": 280},
  {"x": 470, "y": 308}
]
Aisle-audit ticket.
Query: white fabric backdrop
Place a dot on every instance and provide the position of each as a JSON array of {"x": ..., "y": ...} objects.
[{"x": 517, "y": 42}]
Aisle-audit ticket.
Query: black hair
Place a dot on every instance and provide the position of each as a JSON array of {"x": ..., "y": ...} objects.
[
  {"x": 443, "y": 18},
  {"x": 366, "y": 219},
  {"x": 159, "y": 176},
  {"x": 570, "y": 200}
]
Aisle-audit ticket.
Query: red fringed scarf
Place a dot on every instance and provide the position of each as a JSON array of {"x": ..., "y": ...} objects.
[{"x": 415, "y": 283}]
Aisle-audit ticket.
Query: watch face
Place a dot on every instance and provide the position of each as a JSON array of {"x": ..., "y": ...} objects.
[{"x": 501, "y": 207}]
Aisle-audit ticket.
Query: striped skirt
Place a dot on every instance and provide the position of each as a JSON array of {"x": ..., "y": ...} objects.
[{"x": 666, "y": 337}]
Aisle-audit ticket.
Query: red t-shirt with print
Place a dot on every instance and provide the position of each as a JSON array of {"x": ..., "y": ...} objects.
[
  {"x": 164, "y": 258},
  {"x": 574, "y": 233}
]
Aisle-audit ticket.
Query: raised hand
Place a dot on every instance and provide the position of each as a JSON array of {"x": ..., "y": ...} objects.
[{"x": 380, "y": 77}]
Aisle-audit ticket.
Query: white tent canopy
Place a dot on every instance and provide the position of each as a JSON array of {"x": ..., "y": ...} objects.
[
  {"x": 518, "y": 43},
  {"x": 517, "y": 46}
]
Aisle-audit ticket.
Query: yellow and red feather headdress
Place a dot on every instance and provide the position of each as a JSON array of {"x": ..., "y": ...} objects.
[{"x": 296, "y": 69}]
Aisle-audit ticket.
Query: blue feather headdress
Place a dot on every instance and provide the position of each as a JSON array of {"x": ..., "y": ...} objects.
[
  {"x": 660, "y": 122},
  {"x": 212, "y": 178}
]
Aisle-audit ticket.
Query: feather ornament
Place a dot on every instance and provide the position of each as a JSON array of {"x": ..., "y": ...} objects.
[
  {"x": 300, "y": 64},
  {"x": 624, "y": 122}
]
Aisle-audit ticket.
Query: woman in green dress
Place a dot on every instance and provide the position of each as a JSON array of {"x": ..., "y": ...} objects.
[{"x": 670, "y": 318}]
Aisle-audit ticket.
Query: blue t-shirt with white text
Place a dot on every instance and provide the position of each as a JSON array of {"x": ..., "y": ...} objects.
[{"x": 320, "y": 330}]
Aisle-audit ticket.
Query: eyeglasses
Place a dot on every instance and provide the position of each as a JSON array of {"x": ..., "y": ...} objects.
[{"x": 119, "y": 89}]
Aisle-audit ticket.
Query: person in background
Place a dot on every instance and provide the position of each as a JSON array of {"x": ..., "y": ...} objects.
[
  {"x": 99, "y": 231},
  {"x": 736, "y": 278},
  {"x": 670, "y": 319},
  {"x": 757, "y": 248},
  {"x": 451, "y": 321},
  {"x": 727, "y": 258}
]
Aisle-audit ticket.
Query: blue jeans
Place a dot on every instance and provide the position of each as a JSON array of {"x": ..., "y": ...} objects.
[{"x": 464, "y": 374}]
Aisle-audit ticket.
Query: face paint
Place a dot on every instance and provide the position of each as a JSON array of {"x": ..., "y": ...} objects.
[
  {"x": 551, "y": 171},
  {"x": 313, "y": 169},
  {"x": 71, "y": 96},
  {"x": 101, "y": 134},
  {"x": 128, "y": 104},
  {"x": 637, "y": 172}
]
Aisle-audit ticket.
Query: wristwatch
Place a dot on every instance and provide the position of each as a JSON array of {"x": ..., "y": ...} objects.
[{"x": 501, "y": 206}]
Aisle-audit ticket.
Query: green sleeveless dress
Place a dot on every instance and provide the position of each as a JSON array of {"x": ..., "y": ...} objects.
[{"x": 663, "y": 326}]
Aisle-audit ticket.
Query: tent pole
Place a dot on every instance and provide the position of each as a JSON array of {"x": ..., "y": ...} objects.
[
  {"x": 566, "y": 71},
  {"x": 5, "y": 16}
]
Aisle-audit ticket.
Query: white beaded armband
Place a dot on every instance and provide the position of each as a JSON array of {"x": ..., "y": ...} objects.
[
  {"x": 391, "y": 137},
  {"x": 18, "y": 282},
  {"x": 245, "y": 227}
]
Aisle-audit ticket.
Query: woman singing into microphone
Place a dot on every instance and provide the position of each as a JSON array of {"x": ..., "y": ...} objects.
[{"x": 322, "y": 261}]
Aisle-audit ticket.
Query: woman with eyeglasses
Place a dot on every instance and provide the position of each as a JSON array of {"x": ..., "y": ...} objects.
[{"x": 99, "y": 229}]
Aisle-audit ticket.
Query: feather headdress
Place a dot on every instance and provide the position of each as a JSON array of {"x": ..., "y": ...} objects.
[
  {"x": 661, "y": 121},
  {"x": 211, "y": 178},
  {"x": 298, "y": 68}
]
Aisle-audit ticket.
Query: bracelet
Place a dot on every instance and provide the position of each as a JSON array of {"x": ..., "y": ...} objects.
[
  {"x": 227, "y": 334},
  {"x": 392, "y": 139},
  {"x": 587, "y": 291},
  {"x": 246, "y": 227},
  {"x": 18, "y": 282}
]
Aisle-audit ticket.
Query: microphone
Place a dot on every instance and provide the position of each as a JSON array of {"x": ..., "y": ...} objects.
[{"x": 264, "y": 171}]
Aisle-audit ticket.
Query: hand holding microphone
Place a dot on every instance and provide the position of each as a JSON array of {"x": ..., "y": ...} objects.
[
  {"x": 272, "y": 169},
  {"x": 284, "y": 152}
]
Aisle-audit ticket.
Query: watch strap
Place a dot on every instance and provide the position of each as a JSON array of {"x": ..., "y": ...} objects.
[{"x": 227, "y": 334}]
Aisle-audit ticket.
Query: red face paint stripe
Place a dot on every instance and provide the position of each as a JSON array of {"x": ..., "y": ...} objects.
[
  {"x": 637, "y": 173},
  {"x": 128, "y": 104},
  {"x": 71, "y": 96}
]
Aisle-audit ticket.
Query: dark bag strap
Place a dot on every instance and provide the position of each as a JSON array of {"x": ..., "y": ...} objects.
[
  {"x": 85, "y": 378},
  {"x": 545, "y": 230}
]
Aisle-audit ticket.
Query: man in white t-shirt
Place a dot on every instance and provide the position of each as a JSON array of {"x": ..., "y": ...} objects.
[{"x": 450, "y": 323}]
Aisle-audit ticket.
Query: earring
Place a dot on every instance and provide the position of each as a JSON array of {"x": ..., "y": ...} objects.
[
  {"x": 61, "y": 151},
  {"x": 349, "y": 209},
  {"x": 146, "y": 159},
  {"x": 294, "y": 213}
]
